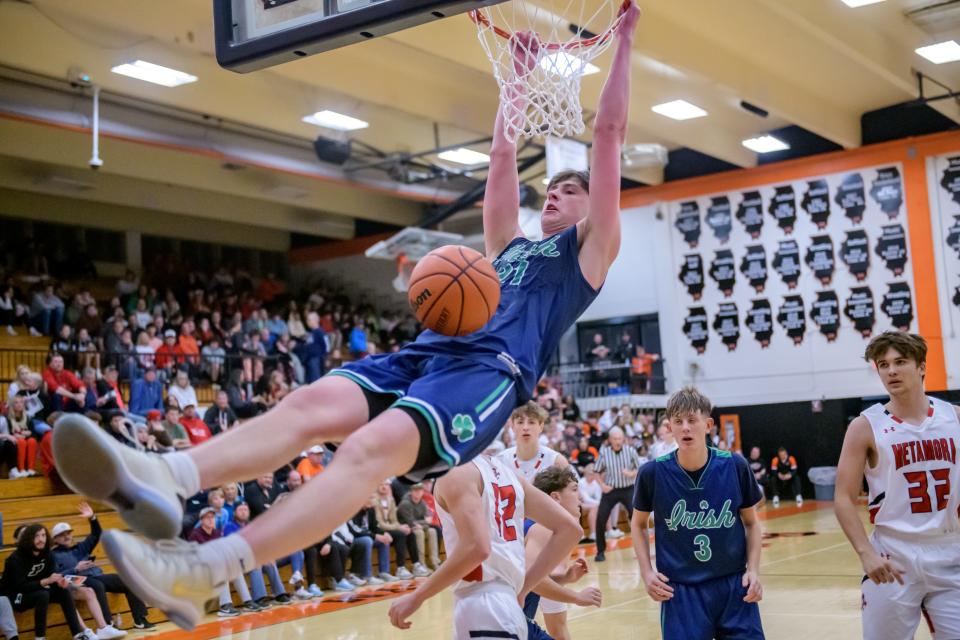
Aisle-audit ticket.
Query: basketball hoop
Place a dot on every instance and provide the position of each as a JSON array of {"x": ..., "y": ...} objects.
[{"x": 537, "y": 66}]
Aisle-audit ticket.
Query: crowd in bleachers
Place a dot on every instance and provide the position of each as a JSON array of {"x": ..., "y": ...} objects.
[{"x": 138, "y": 360}]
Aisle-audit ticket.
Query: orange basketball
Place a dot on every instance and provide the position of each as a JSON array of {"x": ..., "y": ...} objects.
[{"x": 454, "y": 290}]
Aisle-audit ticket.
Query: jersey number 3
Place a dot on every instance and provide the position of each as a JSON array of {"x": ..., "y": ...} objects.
[
  {"x": 506, "y": 497},
  {"x": 918, "y": 488}
]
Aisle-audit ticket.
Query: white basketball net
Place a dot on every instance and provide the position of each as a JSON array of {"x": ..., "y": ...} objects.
[{"x": 539, "y": 72}]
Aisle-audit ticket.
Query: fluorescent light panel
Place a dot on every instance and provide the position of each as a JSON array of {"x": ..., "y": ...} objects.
[
  {"x": 565, "y": 64},
  {"x": 765, "y": 144},
  {"x": 336, "y": 121},
  {"x": 859, "y": 3},
  {"x": 679, "y": 110},
  {"x": 941, "y": 52},
  {"x": 464, "y": 156},
  {"x": 149, "y": 72}
]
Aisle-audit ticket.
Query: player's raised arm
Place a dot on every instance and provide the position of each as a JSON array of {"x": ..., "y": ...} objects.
[
  {"x": 853, "y": 459},
  {"x": 459, "y": 492},
  {"x": 564, "y": 530},
  {"x": 602, "y": 239},
  {"x": 501, "y": 201}
]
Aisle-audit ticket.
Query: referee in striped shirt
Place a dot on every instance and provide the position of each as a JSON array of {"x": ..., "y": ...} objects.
[{"x": 618, "y": 466}]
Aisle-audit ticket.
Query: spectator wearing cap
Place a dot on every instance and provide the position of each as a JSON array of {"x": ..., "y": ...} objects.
[
  {"x": 220, "y": 416},
  {"x": 311, "y": 465},
  {"x": 413, "y": 512},
  {"x": 146, "y": 393},
  {"x": 74, "y": 558},
  {"x": 197, "y": 429},
  {"x": 67, "y": 393},
  {"x": 166, "y": 355},
  {"x": 181, "y": 391},
  {"x": 155, "y": 428},
  {"x": 178, "y": 434},
  {"x": 204, "y": 532}
]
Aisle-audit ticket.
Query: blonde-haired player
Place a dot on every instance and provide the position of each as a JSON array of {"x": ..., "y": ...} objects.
[
  {"x": 482, "y": 506},
  {"x": 908, "y": 450}
]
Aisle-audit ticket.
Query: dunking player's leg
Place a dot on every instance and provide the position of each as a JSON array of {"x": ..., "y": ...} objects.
[
  {"x": 148, "y": 489},
  {"x": 386, "y": 447},
  {"x": 328, "y": 410},
  {"x": 179, "y": 578}
]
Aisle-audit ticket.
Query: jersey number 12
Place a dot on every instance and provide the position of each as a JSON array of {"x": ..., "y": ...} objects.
[{"x": 506, "y": 498}]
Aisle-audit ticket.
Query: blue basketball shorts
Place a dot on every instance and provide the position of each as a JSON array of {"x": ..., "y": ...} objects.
[
  {"x": 459, "y": 406},
  {"x": 536, "y": 632},
  {"x": 711, "y": 609}
]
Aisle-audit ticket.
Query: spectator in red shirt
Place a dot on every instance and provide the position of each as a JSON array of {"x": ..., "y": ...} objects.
[
  {"x": 197, "y": 429},
  {"x": 165, "y": 357},
  {"x": 67, "y": 393}
]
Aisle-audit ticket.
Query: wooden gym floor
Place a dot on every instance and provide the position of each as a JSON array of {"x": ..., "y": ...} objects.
[{"x": 810, "y": 575}]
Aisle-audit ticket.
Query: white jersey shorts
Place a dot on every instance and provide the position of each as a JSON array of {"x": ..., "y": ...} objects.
[
  {"x": 491, "y": 611},
  {"x": 931, "y": 589}
]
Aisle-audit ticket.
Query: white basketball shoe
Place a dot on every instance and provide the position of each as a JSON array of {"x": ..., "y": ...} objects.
[{"x": 138, "y": 485}]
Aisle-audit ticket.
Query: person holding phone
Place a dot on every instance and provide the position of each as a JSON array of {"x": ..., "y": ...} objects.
[{"x": 73, "y": 557}]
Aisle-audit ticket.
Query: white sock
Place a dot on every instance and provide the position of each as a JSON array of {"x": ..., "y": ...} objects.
[
  {"x": 228, "y": 558},
  {"x": 184, "y": 471}
]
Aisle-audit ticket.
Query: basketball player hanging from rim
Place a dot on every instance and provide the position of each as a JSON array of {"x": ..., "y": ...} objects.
[
  {"x": 908, "y": 450},
  {"x": 435, "y": 404}
]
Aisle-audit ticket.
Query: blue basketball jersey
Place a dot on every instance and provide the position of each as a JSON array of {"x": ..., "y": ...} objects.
[
  {"x": 542, "y": 293},
  {"x": 699, "y": 533}
]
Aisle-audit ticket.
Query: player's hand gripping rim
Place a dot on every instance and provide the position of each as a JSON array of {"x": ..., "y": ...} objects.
[
  {"x": 880, "y": 568},
  {"x": 751, "y": 580},
  {"x": 657, "y": 587}
]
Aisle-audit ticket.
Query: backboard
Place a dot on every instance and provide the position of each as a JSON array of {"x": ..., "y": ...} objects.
[
  {"x": 255, "y": 34},
  {"x": 412, "y": 242},
  {"x": 409, "y": 245}
]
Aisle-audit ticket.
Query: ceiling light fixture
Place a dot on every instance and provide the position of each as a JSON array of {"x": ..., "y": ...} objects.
[
  {"x": 859, "y": 3},
  {"x": 566, "y": 65},
  {"x": 149, "y": 72},
  {"x": 765, "y": 144},
  {"x": 464, "y": 156},
  {"x": 679, "y": 110},
  {"x": 941, "y": 52},
  {"x": 336, "y": 121}
]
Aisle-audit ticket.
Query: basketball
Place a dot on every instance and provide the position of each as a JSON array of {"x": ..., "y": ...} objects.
[{"x": 454, "y": 290}]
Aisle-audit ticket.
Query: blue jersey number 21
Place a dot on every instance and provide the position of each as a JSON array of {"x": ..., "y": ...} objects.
[{"x": 506, "y": 270}]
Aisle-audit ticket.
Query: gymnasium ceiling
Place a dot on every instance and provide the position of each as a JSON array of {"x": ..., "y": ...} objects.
[{"x": 815, "y": 64}]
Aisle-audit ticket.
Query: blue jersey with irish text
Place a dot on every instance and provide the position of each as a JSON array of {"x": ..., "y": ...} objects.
[
  {"x": 542, "y": 293},
  {"x": 699, "y": 533}
]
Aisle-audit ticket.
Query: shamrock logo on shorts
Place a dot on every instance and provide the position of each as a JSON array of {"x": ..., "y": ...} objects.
[{"x": 463, "y": 427}]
